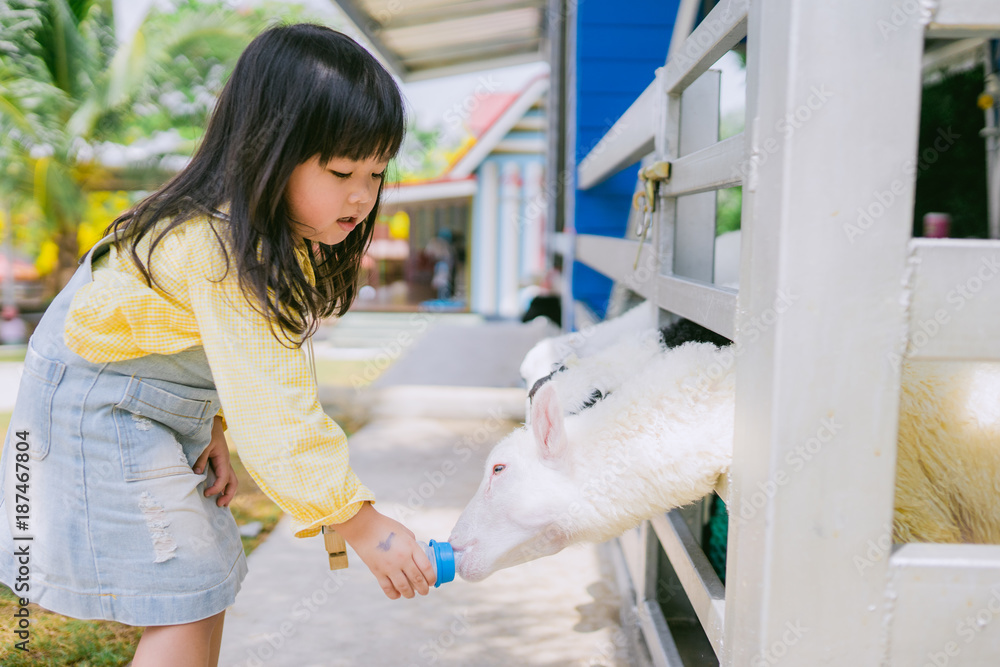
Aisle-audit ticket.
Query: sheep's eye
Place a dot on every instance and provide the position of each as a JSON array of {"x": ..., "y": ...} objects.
[{"x": 498, "y": 468}]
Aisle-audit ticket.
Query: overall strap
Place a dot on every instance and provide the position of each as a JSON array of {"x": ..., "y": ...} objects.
[{"x": 98, "y": 249}]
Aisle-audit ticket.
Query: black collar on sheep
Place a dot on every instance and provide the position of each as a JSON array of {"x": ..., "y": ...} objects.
[
  {"x": 680, "y": 332},
  {"x": 543, "y": 380}
]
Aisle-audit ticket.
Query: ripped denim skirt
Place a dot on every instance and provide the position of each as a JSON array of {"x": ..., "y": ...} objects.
[{"x": 102, "y": 515}]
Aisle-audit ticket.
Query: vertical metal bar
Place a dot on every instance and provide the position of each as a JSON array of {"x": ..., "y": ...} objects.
[
  {"x": 487, "y": 268},
  {"x": 667, "y": 144},
  {"x": 532, "y": 234},
  {"x": 695, "y": 225},
  {"x": 652, "y": 616},
  {"x": 992, "y": 133},
  {"x": 555, "y": 130},
  {"x": 832, "y": 111},
  {"x": 629, "y": 617},
  {"x": 657, "y": 636},
  {"x": 632, "y": 547},
  {"x": 509, "y": 240},
  {"x": 567, "y": 178},
  {"x": 650, "y": 554}
]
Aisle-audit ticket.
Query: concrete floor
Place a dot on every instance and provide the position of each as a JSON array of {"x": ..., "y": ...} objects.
[
  {"x": 293, "y": 611},
  {"x": 553, "y": 612}
]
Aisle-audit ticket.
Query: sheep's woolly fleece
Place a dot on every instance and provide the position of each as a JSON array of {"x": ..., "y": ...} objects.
[
  {"x": 948, "y": 454},
  {"x": 658, "y": 441}
]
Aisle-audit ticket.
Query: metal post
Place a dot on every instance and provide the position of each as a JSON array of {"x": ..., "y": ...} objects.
[
  {"x": 992, "y": 134},
  {"x": 509, "y": 239},
  {"x": 486, "y": 263},
  {"x": 832, "y": 117}
]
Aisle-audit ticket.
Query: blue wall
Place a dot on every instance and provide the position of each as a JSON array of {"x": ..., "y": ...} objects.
[{"x": 619, "y": 45}]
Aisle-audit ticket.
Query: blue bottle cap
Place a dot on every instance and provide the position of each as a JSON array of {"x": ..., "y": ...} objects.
[{"x": 444, "y": 559}]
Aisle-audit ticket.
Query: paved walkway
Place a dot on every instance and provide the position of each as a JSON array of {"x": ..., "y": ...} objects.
[
  {"x": 420, "y": 456},
  {"x": 485, "y": 354}
]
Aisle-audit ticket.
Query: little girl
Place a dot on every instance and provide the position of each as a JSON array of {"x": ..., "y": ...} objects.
[{"x": 194, "y": 306}]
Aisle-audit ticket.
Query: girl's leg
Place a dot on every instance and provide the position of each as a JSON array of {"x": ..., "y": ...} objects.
[
  {"x": 172, "y": 645},
  {"x": 213, "y": 655}
]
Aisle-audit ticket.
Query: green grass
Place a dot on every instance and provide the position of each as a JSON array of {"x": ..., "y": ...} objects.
[
  {"x": 58, "y": 640},
  {"x": 251, "y": 504},
  {"x": 12, "y": 353}
]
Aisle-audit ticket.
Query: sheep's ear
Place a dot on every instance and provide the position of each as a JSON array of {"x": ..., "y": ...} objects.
[{"x": 547, "y": 424}]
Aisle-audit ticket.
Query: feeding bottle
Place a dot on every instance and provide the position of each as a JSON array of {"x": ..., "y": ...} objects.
[{"x": 443, "y": 559}]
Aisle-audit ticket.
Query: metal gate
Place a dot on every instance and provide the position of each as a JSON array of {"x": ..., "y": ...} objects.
[{"x": 830, "y": 279}]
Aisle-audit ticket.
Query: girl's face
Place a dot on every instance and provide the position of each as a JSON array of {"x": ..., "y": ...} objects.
[{"x": 326, "y": 202}]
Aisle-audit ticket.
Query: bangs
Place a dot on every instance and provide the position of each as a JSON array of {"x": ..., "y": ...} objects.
[{"x": 357, "y": 119}]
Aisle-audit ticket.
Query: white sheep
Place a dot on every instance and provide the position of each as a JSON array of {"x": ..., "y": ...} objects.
[
  {"x": 661, "y": 436},
  {"x": 948, "y": 453},
  {"x": 584, "y": 381},
  {"x": 549, "y": 354},
  {"x": 658, "y": 440}
]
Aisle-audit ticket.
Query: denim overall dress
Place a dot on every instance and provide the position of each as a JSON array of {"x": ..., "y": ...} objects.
[{"x": 105, "y": 518}]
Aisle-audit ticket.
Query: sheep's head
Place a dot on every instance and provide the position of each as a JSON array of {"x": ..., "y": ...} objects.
[
  {"x": 520, "y": 511},
  {"x": 540, "y": 361}
]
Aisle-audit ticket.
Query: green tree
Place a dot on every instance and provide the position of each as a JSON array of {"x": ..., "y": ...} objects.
[{"x": 67, "y": 85}]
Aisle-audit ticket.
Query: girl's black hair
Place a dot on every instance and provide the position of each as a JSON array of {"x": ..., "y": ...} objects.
[{"x": 297, "y": 91}]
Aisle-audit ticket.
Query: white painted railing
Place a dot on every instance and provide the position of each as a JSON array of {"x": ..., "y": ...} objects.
[{"x": 832, "y": 116}]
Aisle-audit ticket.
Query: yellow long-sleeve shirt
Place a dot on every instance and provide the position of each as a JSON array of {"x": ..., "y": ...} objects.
[{"x": 295, "y": 453}]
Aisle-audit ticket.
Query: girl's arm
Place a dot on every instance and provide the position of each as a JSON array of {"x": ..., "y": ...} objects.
[
  {"x": 390, "y": 551},
  {"x": 296, "y": 454}
]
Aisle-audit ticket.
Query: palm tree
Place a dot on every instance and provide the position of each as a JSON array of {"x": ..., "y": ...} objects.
[{"x": 66, "y": 84}]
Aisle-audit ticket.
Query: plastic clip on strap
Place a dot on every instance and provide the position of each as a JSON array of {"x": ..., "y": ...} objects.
[{"x": 336, "y": 547}]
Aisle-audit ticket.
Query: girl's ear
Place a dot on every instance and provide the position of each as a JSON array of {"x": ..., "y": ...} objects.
[{"x": 547, "y": 425}]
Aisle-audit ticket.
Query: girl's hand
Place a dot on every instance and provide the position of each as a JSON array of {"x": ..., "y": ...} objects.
[
  {"x": 390, "y": 551},
  {"x": 217, "y": 453}
]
